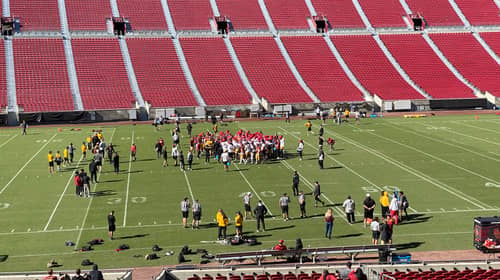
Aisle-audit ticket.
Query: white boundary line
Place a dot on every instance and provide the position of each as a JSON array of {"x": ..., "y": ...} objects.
[
  {"x": 189, "y": 186},
  {"x": 90, "y": 202},
  {"x": 421, "y": 174},
  {"x": 128, "y": 184},
  {"x": 3, "y": 144},
  {"x": 26, "y": 164},
  {"x": 414, "y": 172}
]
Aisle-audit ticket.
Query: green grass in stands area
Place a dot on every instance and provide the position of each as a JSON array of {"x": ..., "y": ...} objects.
[{"x": 447, "y": 166}]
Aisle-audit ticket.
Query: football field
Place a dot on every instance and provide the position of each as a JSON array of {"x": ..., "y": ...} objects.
[{"x": 448, "y": 166}]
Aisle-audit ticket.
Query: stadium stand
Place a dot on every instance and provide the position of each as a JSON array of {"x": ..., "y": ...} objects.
[
  {"x": 423, "y": 65},
  {"x": 372, "y": 68},
  {"x": 493, "y": 40},
  {"x": 341, "y": 15},
  {"x": 143, "y": 15},
  {"x": 37, "y": 89},
  {"x": 87, "y": 15},
  {"x": 384, "y": 13},
  {"x": 435, "y": 13},
  {"x": 3, "y": 79},
  {"x": 243, "y": 14},
  {"x": 42, "y": 15},
  {"x": 465, "y": 274},
  {"x": 191, "y": 15},
  {"x": 214, "y": 71},
  {"x": 470, "y": 59},
  {"x": 159, "y": 75},
  {"x": 288, "y": 14},
  {"x": 480, "y": 12},
  {"x": 267, "y": 70},
  {"x": 101, "y": 74},
  {"x": 320, "y": 69}
]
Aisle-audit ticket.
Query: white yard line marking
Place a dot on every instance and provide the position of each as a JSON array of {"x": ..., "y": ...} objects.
[
  {"x": 477, "y": 127},
  {"x": 61, "y": 196},
  {"x": 189, "y": 186},
  {"x": 128, "y": 183},
  {"x": 253, "y": 189},
  {"x": 5, "y": 143},
  {"x": 26, "y": 164},
  {"x": 415, "y": 172},
  {"x": 90, "y": 202},
  {"x": 450, "y": 188}
]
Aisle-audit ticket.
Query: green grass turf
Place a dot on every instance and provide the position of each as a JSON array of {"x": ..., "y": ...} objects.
[{"x": 447, "y": 166}]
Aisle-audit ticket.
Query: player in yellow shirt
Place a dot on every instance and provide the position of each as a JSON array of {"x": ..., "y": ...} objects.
[
  {"x": 84, "y": 150},
  {"x": 50, "y": 158},
  {"x": 89, "y": 142},
  {"x": 58, "y": 160},
  {"x": 65, "y": 156},
  {"x": 238, "y": 223}
]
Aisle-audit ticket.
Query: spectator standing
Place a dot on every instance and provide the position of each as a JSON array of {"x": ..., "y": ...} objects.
[
  {"x": 308, "y": 125},
  {"x": 384, "y": 203},
  {"x": 368, "y": 206},
  {"x": 93, "y": 171},
  {"x": 86, "y": 185},
  {"x": 50, "y": 275},
  {"x": 189, "y": 129},
  {"x": 327, "y": 276},
  {"x": 133, "y": 152},
  {"x": 349, "y": 207},
  {"x": 238, "y": 223},
  {"x": 222, "y": 222},
  {"x": 78, "y": 183},
  {"x": 190, "y": 159},
  {"x": 295, "y": 183},
  {"x": 24, "y": 125},
  {"x": 50, "y": 158},
  {"x": 321, "y": 158},
  {"x": 246, "y": 203},
  {"x": 344, "y": 272},
  {"x": 79, "y": 276},
  {"x": 300, "y": 148},
  {"x": 317, "y": 194},
  {"x": 329, "y": 223},
  {"x": 404, "y": 204},
  {"x": 394, "y": 208},
  {"x": 260, "y": 212},
  {"x": 96, "y": 274},
  {"x": 116, "y": 163},
  {"x": 110, "y": 151},
  {"x": 302, "y": 204},
  {"x": 375, "y": 228},
  {"x": 111, "y": 224}
]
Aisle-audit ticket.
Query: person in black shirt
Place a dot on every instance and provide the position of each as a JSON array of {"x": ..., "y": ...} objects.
[
  {"x": 189, "y": 128},
  {"x": 95, "y": 274},
  {"x": 369, "y": 206},
  {"x": 93, "y": 171},
  {"x": 111, "y": 224},
  {"x": 116, "y": 162},
  {"x": 260, "y": 211},
  {"x": 295, "y": 183},
  {"x": 110, "y": 149}
]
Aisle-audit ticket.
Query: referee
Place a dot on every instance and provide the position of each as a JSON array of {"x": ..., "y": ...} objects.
[
  {"x": 284, "y": 200},
  {"x": 185, "y": 211}
]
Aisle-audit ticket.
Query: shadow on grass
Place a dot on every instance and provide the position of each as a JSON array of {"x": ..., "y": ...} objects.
[
  {"x": 349, "y": 235},
  {"x": 409, "y": 245},
  {"x": 279, "y": 228},
  {"x": 3, "y": 258},
  {"x": 103, "y": 193},
  {"x": 131, "y": 236},
  {"x": 333, "y": 167},
  {"x": 112, "y": 181},
  {"x": 415, "y": 219}
]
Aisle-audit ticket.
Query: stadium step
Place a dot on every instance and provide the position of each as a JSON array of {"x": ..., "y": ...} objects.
[
  {"x": 449, "y": 65},
  {"x": 294, "y": 70},
  {"x": 398, "y": 68},
  {"x": 267, "y": 17},
  {"x": 366, "y": 94},
  {"x": 363, "y": 16},
  {"x": 130, "y": 72},
  {"x": 460, "y": 14},
  {"x": 11, "y": 76},
  {"x": 168, "y": 18}
]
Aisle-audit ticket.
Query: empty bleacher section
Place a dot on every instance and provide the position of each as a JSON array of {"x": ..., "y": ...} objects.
[
  {"x": 340, "y": 13},
  {"x": 435, "y": 13},
  {"x": 372, "y": 68},
  {"x": 423, "y": 66},
  {"x": 288, "y": 14},
  {"x": 465, "y": 274},
  {"x": 243, "y": 14},
  {"x": 159, "y": 75},
  {"x": 143, "y": 15},
  {"x": 267, "y": 70},
  {"x": 3, "y": 80},
  {"x": 493, "y": 40},
  {"x": 101, "y": 74},
  {"x": 214, "y": 71},
  {"x": 387, "y": 13},
  {"x": 480, "y": 12},
  {"x": 320, "y": 70},
  {"x": 37, "y": 89},
  {"x": 88, "y": 14},
  {"x": 190, "y": 15},
  {"x": 470, "y": 59},
  {"x": 36, "y": 15}
]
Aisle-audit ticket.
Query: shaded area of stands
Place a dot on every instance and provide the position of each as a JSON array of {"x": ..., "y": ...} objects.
[
  {"x": 372, "y": 68},
  {"x": 267, "y": 70},
  {"x": 480, "y": 12},
  {"x": 340, "y": 13},
  {"x": 101, "y": 74},
  {"x": 384, "y": 13},
  {"x": 435, "y": 13},
  {"x": 424, "y": 66},
  {"x": 275, "y": 276},
  {"x": 42, "y": 15},
  {"x": 243, "y": 14},
  {"x": 288, "y": 14},
  {"x": 466, "y": 274},
  {"x": 320, "y": 69},
  {"x": 143, "y": 15},
  {"x": 88, "y": 14},
  {"x": 3, "y": 79},
  {"x": 190, "y": 15},
  {"x": 214, "y": 71},
  {"x": 470, "y": 59},
  {"x": 39, "y": 89},
  {"x": 158, "y": 72}
]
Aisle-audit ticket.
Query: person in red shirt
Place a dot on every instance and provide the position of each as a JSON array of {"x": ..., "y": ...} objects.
[
  {"x": 327, "y": 276},
  {"x": 133, "y": 151},
  {"x": 50, "y": 276},
  {"x": 280, "y": 246}
]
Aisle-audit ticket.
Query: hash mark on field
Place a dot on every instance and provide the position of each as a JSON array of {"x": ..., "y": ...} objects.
[
  {"x": 29, "y": 230},
  {"x": 12, "y": 230}
]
